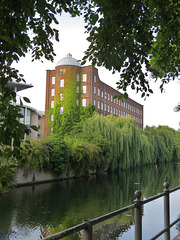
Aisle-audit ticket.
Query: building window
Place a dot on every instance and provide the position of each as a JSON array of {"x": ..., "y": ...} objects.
[
  {"x": 53, "y": 80},
  {"x": 101, "y": 106},
  {"x": 94, "y": 102},
  {"x": 94, "y": 78},
  {"x": 98, "y": 105},
  {"x": 102, "y": 94},
  {"x": 51, "y": 117},
  {"x": 98, "y": 92},
  {"x": 111, "y": 109},
  {"x": 62, "y": 83},
  {"x": 105, "y": 107},
  {"x": 84, "y": 89},
  {"x": 61, "y": 110},
  {"x": 114, "y": 111},
  {"x": 84, "y": 77},
  {"x": 111, "y": 98},
  {"x": 105, "y": 95},
  {"x": 117, "y": 112},
  {"x": 51, "y": 131},
  {"x": 52, "y": 104},
  {"x": 28, "y": 118},
  {"x": 77, "y": 89},
  {"x": 61, "y": 96},
  {"x": 77, "y": 77},
  {"x": 84, "y": 102},
  {"x": 77, "y": 102},
  {"x": 22, "y": 112},
  {"x": 108, "y": 108},
  {"x": 108, "y": 96},
  {"x": 119, "y": 103},
  {"x": 114, "y": 100},
  {"x": 52, "y": 92},
  {"x": 94, "y": 90}
]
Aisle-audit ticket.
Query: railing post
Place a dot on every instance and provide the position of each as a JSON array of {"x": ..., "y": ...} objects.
[
  {"x": 138, "y": 216},
  {"x": 87, "y": 232},
  {"x": 166, "y": 211}
]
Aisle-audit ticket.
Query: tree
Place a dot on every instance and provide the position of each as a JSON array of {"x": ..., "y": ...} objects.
[
  {"x": 25, "y": 26},
  {"x": 135, "y": 38}
]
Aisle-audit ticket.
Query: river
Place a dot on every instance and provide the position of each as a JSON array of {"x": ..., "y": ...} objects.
[{"x": 32, "y": 212}]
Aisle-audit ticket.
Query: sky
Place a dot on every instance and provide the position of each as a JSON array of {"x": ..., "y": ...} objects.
[{"x": 158, "y": 108}]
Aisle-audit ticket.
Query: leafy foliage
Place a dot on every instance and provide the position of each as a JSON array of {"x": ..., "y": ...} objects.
[{"x": 135, "y": 38}]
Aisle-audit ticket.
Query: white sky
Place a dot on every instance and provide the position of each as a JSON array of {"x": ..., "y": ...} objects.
[{"x": 158, "y": 108}]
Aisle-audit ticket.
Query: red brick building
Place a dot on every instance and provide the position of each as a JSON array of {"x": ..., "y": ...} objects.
[{"x": 92, "y": 89}]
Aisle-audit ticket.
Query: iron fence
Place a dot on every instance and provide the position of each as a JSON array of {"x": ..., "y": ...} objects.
[{"x": 86, "y": 227}]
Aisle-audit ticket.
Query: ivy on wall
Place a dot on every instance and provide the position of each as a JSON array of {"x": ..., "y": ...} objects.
[{"x": 69, "y": 100}]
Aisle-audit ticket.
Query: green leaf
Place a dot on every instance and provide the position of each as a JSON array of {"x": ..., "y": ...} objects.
[
  {"x": 125, "y": 95},
  {"x": 26, "y": 100},
  {"x": 34, "y": 127}
]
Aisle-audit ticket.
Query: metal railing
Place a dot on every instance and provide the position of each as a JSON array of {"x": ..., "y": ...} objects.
[{"x": 86, "y": 227}]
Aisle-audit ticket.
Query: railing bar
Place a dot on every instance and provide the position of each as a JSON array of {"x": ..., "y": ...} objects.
[
  {"x": 94, "y": 221},
  {"x": 174, "y": 189},
  {"x": 153, "y": 198},
  {"x": 66, "y": 232},
  {"x": 172, "y": 224},
  {"x": 159, "y": 234},
  {"x": 112, "y": 214},
  {"x": 165, "y": 229}
]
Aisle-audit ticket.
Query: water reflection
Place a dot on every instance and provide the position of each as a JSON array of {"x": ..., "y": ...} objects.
[{"x": 34, "y": 211}]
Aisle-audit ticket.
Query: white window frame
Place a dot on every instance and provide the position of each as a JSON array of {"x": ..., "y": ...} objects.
[
  {"x": 108, "y": 96},
  {"x": 94, "y": 102},
  {"x": 94, "y": 78},
  {"x": 77, "y": 77},
  {"x": 84, "y": 102},
  {"x": 61, "y": 110},
  {"x": 53, "y": 80},
  {"x": 98, "y": 92},
  {"x": 51, "y": 117},
  {"x": 52, "y": 104},
  {"x": 98, "y": 105},
  {"x": 84, "y": 77},
  {"x": 61, "y": 82},
  {"x": 102, "y": 94},
  {"x": 61, "y": 96},
  {"x": 94, "y": 90},
  {"x": 102, "y": 106},
  {"x": 52, "y": 92},
  {"x": 77, "y": 102},
  {"x": 84, "y": 89},
  {"x": 77, "y": 89},
  {"x": 105, "y": 95}
]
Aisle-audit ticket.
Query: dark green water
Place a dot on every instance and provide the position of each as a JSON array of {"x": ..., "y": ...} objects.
[{"x": 31, "y": 212}]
